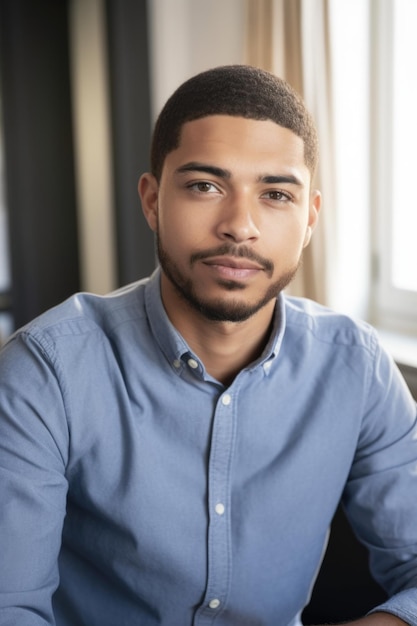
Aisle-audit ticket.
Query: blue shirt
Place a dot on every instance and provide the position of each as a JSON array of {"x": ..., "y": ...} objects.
[{"x": 137, "y": 489}]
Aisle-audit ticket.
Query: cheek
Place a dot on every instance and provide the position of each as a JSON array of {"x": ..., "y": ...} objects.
[
  {"x": 176, "y": 237},
  {"x": 182, "y": 229},
  {"x": 284, "y": 241}
]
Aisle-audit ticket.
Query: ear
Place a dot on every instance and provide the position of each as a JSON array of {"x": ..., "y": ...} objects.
[
  {"x": 313, "y": 215},
  {"x": 148, "y": 193}
]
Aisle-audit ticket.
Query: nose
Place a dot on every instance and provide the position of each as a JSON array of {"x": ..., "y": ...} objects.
[{"x": 237, "y": 221}]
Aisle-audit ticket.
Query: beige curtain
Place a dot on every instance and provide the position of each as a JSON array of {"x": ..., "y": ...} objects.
[{"x": 291, "y": 39}]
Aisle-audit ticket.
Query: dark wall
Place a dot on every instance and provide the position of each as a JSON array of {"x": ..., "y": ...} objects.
[
  {"x": 40, "y": 187},
  {"x": 38, "y": 144},
  {"x": 127, "y": 34}
]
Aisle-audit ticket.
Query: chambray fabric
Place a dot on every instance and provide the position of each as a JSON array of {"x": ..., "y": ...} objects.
[{"x": 135, "y": 489}]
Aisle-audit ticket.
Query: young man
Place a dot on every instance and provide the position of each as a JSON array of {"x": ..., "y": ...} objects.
[{"x": 174, "y": 453}]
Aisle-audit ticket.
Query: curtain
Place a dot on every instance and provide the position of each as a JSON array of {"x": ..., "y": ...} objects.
[{"x": 290, "y": 38}]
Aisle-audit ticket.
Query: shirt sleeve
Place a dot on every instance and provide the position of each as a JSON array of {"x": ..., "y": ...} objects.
[
  {"x": 33, "y": 455},
  {"x": 380, "y": 498}
]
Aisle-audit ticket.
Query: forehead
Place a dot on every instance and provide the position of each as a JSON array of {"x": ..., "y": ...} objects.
[{"x": 226, "y": 140}]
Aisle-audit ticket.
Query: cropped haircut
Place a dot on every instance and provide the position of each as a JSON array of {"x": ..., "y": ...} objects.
[{"x": 236, "y": 90}]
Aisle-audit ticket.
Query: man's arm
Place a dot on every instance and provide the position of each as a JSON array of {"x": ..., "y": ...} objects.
[
  {"x": 378, "y": 619},
  {"x": 378, "y": 496},
  {"x": 33, "y": 448}
]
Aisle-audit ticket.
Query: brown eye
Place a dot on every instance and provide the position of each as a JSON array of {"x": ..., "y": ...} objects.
[
  {"x": 278, "y": 196},
  {"x": 204, "y": 187}
]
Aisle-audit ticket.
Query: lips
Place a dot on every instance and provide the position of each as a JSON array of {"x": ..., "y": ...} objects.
[
  {"x": 233, "y": 258},
  {"x": 232, "y": 269},
  {"x": 233, "y": 263}
]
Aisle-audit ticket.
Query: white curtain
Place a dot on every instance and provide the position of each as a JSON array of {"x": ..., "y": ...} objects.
[{"x": 291, "y": 39}]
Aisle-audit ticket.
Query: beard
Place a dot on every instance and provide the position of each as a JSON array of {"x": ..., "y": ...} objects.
[{"x": 218, "y": 309}]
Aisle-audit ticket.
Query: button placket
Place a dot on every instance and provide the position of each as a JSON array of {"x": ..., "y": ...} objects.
[{"x": 219, "y": 552}]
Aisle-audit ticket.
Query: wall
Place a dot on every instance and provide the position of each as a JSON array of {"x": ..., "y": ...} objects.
[
  {"x": 38, "y": 155},
  {"x": 92, "y": 144},
  {"x": 187, "y": 37},
  {"x": 111, "y": 119}
]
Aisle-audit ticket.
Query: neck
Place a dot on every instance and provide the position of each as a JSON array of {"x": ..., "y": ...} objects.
[{"x": 225, "y": 348}]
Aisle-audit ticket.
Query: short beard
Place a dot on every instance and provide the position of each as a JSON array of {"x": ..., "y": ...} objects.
[{"x": 218, "y": 310}]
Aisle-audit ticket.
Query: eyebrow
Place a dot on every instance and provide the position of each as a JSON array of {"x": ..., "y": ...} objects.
[
  {"x": 220, "y": 172},
  {"x": 270, "y": 179},
  {"x": 194, "y": 166}
]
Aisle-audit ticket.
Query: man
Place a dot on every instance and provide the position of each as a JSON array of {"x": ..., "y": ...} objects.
[{"x": 174, "y": 453}]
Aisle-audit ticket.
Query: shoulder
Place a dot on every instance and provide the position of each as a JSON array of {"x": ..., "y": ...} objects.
[
  {"x": 327, "y": 327},
  {"x": 346, "y": 353},
  {"x": 85, "y": 314}
]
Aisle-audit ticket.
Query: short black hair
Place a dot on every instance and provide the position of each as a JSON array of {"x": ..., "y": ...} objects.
[{"x": 237, "y": 90}]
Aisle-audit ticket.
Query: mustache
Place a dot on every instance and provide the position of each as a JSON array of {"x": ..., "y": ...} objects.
[{"x": 241, "y": 252}]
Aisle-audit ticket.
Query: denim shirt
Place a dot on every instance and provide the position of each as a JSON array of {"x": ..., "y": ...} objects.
[{"x": 137, "y": 489}]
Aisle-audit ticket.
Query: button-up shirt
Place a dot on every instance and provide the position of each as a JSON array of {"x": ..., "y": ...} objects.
[{"x": 137, "y": 489}]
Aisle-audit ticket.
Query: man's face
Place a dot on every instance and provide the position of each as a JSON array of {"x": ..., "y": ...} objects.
[{"x": 232, "y": 212}]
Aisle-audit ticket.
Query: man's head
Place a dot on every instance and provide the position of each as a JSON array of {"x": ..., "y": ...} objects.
[
  {"x": 230, "y": 196},
  {"x": 236, "y": 90}
]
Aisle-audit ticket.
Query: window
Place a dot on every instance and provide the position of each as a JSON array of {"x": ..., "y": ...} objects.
[
  {"x": 395, "y": 166},
  {"x": 350, "y": 63}
]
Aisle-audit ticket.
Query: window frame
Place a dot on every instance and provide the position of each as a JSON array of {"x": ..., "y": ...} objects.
[{"x": 392, "y": 308}]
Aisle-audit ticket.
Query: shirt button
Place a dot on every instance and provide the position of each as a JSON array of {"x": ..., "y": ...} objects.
[
  {"x": 177, "y": 364},
  {"x": 214, "y": 604},
  {"x": 219, "y": 508},
  {"x": 226, "y": 399},
  {"x": 193, "y": 364}
]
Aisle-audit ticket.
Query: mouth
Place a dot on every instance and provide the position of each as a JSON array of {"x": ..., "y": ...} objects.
[
  {"x": 233, "y": 263},
  {"x": 233, "y": 268}
]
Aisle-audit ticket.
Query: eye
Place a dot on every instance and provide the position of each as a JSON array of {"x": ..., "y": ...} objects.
[
  {"x": 277, "y": 196},
  {"x": 203, "y": 187}
]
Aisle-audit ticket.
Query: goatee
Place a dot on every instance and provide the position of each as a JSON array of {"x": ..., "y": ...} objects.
[{"x": 220, "y": 310}]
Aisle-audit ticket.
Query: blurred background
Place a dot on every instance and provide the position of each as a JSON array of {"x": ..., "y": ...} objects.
[{"x": 81, "y": 84}]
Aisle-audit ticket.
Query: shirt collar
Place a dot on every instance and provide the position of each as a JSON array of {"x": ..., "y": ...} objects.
[
  {"x": 273, "y": 346},
  {"x": 171, "y": 343},
  {"x": 176, "y": 349}
]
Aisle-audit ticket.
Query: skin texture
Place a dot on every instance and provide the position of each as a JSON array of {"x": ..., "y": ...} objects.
[{"x": 233, "y": 211}]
